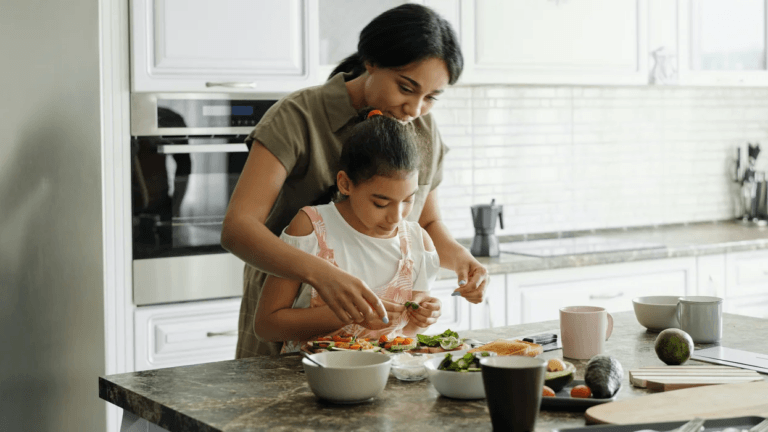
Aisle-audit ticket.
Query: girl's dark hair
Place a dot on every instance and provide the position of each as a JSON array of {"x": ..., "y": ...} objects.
[
  {"x": 403, "y": 35},
  {"x": 378, "y": 145}
]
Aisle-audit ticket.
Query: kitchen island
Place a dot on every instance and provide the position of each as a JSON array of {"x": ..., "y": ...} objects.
[{"x": 271, "y": 393}]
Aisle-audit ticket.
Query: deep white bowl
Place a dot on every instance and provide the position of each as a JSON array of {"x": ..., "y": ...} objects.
[
  {"x": 348, "y": 376},
  {"x": 656, "y": 313},
  {"x": 457, "y": 385}
]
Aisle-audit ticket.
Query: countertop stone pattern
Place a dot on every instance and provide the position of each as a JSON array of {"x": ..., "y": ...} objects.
[
  {"x": 271, "y": 393},
  {"x": 704, "y": 238}
]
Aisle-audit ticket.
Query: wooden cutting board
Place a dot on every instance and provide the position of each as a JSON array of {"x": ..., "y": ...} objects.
[
  {"x": 716, "y": 401},
  {"x": 664, "y": 378}
]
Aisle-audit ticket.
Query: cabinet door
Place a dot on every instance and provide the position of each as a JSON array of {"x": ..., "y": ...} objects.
[
  {"x": 755, "y": 306},
  {"x": 341, "y": 21},
  {"x": 184, "y": 334},
  {"x": 492, "y": 312},
  {"x": 723, "y": 42},
  {"x": 229, "y": 45},
  {"x": 555, "y": 42},
  {"x": 746, "y": 274},
  {"x": 455, "y": 310},
  {"x": 538, "y": 296}
]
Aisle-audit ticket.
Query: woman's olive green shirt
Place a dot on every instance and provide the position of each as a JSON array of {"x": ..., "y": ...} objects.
[{"x": 305, "y": 131}]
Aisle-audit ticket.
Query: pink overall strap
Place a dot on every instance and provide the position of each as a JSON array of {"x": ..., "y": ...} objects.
[
  {"x": 405, "y": 240},
  {"x": 320, "y": 232}
]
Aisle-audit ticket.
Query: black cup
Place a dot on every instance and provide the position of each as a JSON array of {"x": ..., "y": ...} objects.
[{"x": 513, "y": 386}]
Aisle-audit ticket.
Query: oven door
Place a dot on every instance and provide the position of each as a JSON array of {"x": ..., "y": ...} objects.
[{"x": 181, "y": 188}]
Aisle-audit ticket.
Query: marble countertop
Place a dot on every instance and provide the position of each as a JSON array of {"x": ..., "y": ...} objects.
[
  {"x": 271, "y": 393},
  {"x": 681, "y": 240}
]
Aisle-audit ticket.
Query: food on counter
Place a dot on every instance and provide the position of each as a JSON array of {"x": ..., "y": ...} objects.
[
  {"x": 603, "y": 376},
  {"x": 547, "y": 392},
  {"x": 555, "y": 365},
  {"x": 581, "y": 391},
  {"x": 469, "y": 362},
  {"x": 397, "y": 344},
  {"x": 408, "y": 367},
  {"x": 556, "y": 380},
  {"x": 674, "y": 346},
  {"x": 505, "y": 347},
  {"x": 446, "y": 341}
]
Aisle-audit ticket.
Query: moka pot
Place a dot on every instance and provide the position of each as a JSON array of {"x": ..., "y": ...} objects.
[{"x": 484, "y": 218}]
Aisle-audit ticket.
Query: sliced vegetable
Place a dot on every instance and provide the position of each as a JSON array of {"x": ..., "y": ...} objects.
[{"x": 434, "y": 341}]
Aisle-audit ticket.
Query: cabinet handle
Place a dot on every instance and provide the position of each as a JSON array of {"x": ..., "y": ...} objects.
[
  {"x": 231, "y": 84},
  {"x": 606, "y": 296},
  {"x": 201, "y": 148},
  {"x": 224, "y": 333}
]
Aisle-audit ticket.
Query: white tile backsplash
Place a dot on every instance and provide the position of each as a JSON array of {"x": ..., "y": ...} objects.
[{"x": 580, "y": 158}]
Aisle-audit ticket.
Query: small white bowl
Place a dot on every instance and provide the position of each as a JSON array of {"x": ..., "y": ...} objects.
[
  {"x": 457, "y": 385},
  {"x": 348, "y": 376},
  {"x": 656, "y": 313}
]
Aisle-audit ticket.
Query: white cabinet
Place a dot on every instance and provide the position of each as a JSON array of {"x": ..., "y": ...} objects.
[
  {"x": 555, "y": 42},
  {"x": 261, "y": 46},
  {"x": 538, "y": 296},
  {"x": 340, "y": 23},
  {"x": 186, "y": 333},
  {"x": 723, "y": 42},
  {"x": 746, "y": 289},
  {"x": 455, "y": 313}
]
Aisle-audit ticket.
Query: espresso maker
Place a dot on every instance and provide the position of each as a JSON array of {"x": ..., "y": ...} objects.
[{"x": 484, "y": 217}]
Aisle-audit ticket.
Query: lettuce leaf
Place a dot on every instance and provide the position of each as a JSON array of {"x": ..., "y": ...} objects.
[{"x": 434, "y": 341}]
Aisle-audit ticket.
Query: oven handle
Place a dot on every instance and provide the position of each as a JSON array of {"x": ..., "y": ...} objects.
[
  {"x": 202, "y": 148},
  {"x": 233, "y": 84}
]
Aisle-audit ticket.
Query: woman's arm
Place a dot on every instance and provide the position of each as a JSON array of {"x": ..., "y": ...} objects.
[
  {"x": 245, "y": 235},
  {"x": 472, "y": 275}
]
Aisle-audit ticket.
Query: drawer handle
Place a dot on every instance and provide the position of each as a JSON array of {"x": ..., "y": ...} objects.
[
  {"x": 224, "y": 333},
  {"x": 231, "y": 84},
  {"x": 606, "y": 296}
]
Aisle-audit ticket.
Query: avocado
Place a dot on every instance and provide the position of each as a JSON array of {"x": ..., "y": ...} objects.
[
  {"x": 558, "y": 379},
  {"x": 674, "y": 346},
  {"x": 603, "y": 376}
]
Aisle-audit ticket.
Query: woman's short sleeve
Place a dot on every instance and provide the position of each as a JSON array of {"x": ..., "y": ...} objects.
[{"x": 283, "y": 131}]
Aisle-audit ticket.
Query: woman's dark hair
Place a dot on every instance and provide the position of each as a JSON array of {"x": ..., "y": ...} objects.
[{"x": 403, "y": 35}]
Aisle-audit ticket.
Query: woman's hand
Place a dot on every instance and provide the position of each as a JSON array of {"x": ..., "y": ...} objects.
[
  {"x": 473, "y": 279},
  {"x": 349, "y": 298},
  {"x": 427, "y": 313}
]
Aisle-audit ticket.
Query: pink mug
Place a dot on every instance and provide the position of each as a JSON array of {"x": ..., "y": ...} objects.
[{"x": 582, "y": 329}]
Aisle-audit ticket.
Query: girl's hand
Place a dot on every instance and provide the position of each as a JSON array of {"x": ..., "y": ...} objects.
[
  {"x": 473, "y": 278},
  {"x": 394, "y": 311},
  {"x": 349, "y": 298},
  {"x": 427, "y": 313}
]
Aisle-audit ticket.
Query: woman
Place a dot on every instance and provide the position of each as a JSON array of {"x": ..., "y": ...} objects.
[{"x": 406, "y": 57}]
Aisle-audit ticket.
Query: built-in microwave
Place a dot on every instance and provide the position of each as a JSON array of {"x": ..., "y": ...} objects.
[{"x": 187, "y": 152}]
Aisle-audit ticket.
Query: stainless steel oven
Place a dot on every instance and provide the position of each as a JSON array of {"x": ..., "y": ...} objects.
[{"x": 187, "y": 152}]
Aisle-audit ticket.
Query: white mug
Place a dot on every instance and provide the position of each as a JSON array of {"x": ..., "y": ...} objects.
[
  {"x": 584, "y": 330},
  {"x": 701, "y": 317}
]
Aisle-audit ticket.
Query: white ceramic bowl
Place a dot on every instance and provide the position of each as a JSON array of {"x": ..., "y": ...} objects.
[
  {"x": 656, "y": 313},
  {"x": 457, "y": 385},
  {"x": 348, "y": 376}
]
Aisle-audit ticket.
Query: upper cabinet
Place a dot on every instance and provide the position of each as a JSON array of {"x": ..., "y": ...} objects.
[
  {"x": 340, "y": 23},
  {"x": 223, "y": 46},
  {"x": 555, "y": 41},
  {"x": 723, "y": 42}
]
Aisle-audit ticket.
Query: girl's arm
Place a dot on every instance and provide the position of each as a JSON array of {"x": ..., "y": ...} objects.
[
  {"x": 245, "y": 235},
  {"x": 276, "y": 320},
  {"x": 472, "y": 275}
]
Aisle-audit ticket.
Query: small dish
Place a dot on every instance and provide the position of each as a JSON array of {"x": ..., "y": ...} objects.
[
  {"x": 457, "y": 385},
  {"x": 563, "y": 400},
  {"x": 656, "y": 313},
  {"x": 409, "y": 367},
  {"x": 557, "y": 380},
  {"x": 347, "y": 376}
]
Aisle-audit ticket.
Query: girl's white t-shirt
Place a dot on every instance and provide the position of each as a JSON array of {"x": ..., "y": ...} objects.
[{"x": 372, "y": 260}]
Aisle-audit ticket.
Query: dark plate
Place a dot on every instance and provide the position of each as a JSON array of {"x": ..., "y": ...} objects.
[
  {"x": 563, "y": 400},
  {"x": 711, "y": 425}
]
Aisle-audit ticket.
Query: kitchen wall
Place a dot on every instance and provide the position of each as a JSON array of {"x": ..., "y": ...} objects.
[
  {"x": 51, "y": 277},
  {"x": 582, "y": 158}
]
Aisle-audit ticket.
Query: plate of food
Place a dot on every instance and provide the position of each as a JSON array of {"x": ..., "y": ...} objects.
[
  {"x": 575, "y": 395},
  {"x": 444, "y": 342},
  {"x": 601, "y": 384}
]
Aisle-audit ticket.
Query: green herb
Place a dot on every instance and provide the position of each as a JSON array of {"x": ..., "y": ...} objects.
[
  {"x": 412, "y": 305},
  {"x": 434, "y": 341},
  {"x": 467, "y": 363}
]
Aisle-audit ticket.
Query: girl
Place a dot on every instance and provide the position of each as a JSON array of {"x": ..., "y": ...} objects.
[
  {"x": 406, "y": 57},
  {"x": 363, "y": 233}
]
